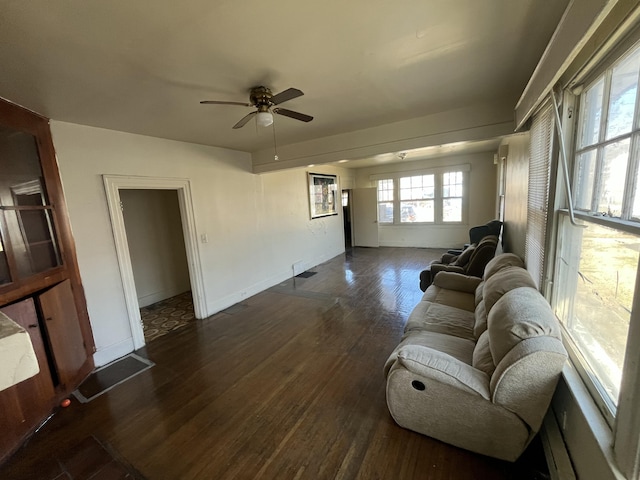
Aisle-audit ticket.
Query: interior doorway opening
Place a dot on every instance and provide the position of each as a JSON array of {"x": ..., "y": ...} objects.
[
  {"x": 158, "y": 259},
  {"x": 346, "y": 215},
  {"x": 114, "y": 186}
]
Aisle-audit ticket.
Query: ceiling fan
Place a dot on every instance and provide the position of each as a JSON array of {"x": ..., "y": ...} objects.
[{"x": 263, "y": 100}]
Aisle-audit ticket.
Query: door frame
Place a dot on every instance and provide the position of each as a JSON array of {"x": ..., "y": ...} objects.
[{"x": 113, "y": 184}]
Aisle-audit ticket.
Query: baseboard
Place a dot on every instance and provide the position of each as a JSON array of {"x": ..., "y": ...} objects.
[
  {"x": 555, "y": 450},
  {"x": 112, "y": 352},
  {"x": 155, "y": 297}
]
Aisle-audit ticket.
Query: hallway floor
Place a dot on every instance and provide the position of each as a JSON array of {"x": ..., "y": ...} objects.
[{"x": 167, "y": 315}]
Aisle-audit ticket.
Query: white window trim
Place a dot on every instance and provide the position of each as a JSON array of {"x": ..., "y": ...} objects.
[
  {"x": 438, "y": 198},
  {"x": 619, "y": 440}
]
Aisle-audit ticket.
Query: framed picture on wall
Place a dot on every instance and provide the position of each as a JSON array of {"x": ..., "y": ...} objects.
[{"x": 323, "y": 195}]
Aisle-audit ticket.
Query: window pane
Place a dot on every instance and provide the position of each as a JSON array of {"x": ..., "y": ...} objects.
[
  {"x": 595, "y": 281},
  {"x": 417, "y": 187},
  {"x": 385, "y": 190},
  {"x": 613, "y": 175},
  {"x": 636, "y": 201},
  {"x": 20, "y": 167},
  {"x": 591, "y": 113},
  {"x": 33, "y": 240},
  {"x": 385, "y": 212},
  {"x": 5, "y": 277},
  {"x": 452, "y": 210},
  {"x": 622, "y": 100},
  {"x": 585, "y": 176},
  {"x": 417, "y": 211}
]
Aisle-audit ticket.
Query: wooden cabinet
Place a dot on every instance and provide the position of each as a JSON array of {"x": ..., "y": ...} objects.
[
  {"x": 40, "y": 285},
  {"x": 63, "y": 332},
  {"x": 27, "y": 403}
]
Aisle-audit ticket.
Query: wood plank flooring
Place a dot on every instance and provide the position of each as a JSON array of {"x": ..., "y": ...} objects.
[{"x": 286, "y": 385}]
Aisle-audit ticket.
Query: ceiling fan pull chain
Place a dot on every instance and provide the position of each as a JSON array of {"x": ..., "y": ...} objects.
[{"x": 275, "y": 145}]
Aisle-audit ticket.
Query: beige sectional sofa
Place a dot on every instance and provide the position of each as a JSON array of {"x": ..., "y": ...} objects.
[{"x": 479, "y": 361}]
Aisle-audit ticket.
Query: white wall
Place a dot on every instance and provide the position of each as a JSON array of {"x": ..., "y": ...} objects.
[
  {"x": 156, "y": 244},
  {"x": 257, "y": 225},
  {"x": 482, "y": 202}
]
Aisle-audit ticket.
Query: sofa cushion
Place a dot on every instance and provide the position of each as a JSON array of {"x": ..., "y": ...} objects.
[
  {"x": 482, "y": 359},
  {"x": 457, "y": 281},
  {"x": 480, "y": 324},
  {"x": 503, "y": 281},
  {"x": 464, "y": 257},
  {"x": 520, "y": 314},
  {"x": 478, "y": 292},
  {"x": 433, "y": 317},
  {"x": 445, "y": 296},
  {"x": 456, "y": 347},
  {"x": 502, "y": 261}
]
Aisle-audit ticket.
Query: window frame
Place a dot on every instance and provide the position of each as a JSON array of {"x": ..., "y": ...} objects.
[
  {"x": 624, "y": 424},
  {"x": 438, "y": 198}
]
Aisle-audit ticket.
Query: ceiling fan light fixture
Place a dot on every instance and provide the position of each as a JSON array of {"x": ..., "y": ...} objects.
[{"x": 264, "y": 119}]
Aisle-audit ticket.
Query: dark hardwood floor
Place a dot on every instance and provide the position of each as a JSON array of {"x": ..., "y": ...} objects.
[{"x": 286, "y": 385}]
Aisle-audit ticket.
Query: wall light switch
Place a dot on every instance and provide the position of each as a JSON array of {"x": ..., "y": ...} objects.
[{"x": 204, "y": 238}]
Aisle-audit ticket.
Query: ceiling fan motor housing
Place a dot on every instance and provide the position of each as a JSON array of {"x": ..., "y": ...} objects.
[{"x": 260, "y": 96}]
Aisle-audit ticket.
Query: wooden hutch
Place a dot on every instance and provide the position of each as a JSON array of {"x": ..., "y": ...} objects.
[{"x": 40, "y": 286}]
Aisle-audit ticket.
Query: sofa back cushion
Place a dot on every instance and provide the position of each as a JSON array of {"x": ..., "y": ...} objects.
[
  {"x": 502, "y": 282},
  {"x": 483, "y": 253},
  {"x": 520, "y": 314},
  {"x": 502, "y": 261},
  {"x": 464, "y": 257},
  {"x": 482, "y": 359},
  {"x": 526, "y": 346}
]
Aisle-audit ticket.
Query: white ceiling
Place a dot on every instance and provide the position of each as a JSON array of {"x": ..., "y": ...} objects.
[{"x": 142, "y": 66}]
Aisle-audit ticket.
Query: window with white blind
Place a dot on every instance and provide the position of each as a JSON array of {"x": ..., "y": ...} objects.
[{"x": 538, "y": 193}]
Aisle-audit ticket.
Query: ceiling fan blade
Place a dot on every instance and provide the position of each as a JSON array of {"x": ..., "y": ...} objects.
[
  {"x": 290, "y": 113},
  {"x": 219, "y": 102},
  {"x": 244, "y": 120},
  {"x": 286, "y": 95}
]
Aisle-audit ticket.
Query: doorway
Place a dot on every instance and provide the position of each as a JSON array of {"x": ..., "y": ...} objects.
[
  {"x": 114, "y": 186},
  {"x": 346, "y": 216},
  {"x": 158, "y": 259}
]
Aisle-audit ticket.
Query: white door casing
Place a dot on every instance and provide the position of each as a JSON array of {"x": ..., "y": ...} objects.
[{"x": 113, "y": 184}]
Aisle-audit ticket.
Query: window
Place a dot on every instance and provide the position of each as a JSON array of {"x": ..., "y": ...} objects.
[
  {"x": 596, "y": 267},
  {"x": 452, "y": 197},
  {"x": 424, "y": 197},
  {"x": 385, "y": 201},
  {"x": 417, "y": 198},
  {"x": 608, "y": 132}
]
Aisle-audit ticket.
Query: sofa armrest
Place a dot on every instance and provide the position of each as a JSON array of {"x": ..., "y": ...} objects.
[
  {"x": 456, "y": 281},
  {"x": 438, "y": 366}
]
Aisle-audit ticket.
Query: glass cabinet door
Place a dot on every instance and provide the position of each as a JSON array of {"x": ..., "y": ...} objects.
[{"x": 28, "y": 242}]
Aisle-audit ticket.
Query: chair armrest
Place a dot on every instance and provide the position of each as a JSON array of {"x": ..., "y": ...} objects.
[
  {"x": 448, "y": 258},
  {"x": 434, "y": 365},
  {"x": 439, "y": 267},
  {"x": 456, "y": 281}
]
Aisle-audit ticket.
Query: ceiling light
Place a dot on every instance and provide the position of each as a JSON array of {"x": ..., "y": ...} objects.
[
  {"x": 343, "y": 161},
  {"x": 264, "y": 119}
]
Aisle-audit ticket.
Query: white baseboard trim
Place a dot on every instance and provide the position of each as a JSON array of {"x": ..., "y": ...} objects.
[
  {"x": 555, "y": 450},
  {"x": 112, "y": 352},
  {"x": 155, "y": 297}
]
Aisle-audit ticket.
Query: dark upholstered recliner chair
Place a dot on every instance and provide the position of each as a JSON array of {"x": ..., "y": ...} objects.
[
  {"x": 494, "y": 227},
  {"x": 470, "y": 262}
]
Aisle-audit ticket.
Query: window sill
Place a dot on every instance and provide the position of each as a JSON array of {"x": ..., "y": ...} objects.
[{"x": 594, "y": 419}]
